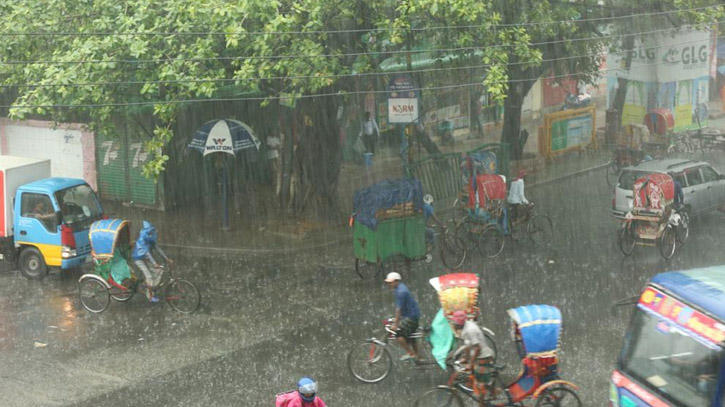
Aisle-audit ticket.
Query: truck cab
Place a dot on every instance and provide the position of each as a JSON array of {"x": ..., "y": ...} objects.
[{"x": 51, "y": 220}]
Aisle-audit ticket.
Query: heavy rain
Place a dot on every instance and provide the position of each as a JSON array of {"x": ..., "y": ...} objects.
[{"x": 217, "y": 203}]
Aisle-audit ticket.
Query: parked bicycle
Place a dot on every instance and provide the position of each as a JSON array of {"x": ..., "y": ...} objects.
[{"x": 451, "y": 248}]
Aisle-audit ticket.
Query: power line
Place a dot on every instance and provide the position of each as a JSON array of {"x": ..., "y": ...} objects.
[
  {"x": 185, "y": 101},
  {"x": 362, "y": 30},
  {"x": 271, "y": 78},
  {"x": 342, "y": 55}
]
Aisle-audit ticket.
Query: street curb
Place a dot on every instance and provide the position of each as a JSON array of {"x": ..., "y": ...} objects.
[{"x": 570, "y": 175}]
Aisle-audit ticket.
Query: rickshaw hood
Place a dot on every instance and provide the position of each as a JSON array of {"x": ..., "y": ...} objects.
[{"x": 540, "y": 327}]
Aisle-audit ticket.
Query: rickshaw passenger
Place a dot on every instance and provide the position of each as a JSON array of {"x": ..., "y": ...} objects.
[
  {"x": 479, "y": 353},
  {"x": 143, "y": 254},
  {"x": 407, "y": 314},
  {"x": 517, "y": 197}
]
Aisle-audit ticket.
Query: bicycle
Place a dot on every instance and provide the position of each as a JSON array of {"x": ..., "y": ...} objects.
[
  {"x": 539, "y": 228},
  {"x": 95, "y": 293},
  {"x": 451, "y": 248},
  {"x": 371, "y": 361}
]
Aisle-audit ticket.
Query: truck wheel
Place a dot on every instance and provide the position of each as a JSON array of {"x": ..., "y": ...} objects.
[{"x": 32, "y": 265}]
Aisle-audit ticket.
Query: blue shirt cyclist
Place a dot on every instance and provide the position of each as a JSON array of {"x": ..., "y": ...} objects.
[{"x": 407, "y": 314}]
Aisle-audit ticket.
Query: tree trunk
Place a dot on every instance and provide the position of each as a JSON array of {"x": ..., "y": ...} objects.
[
  {"x": 512, "y": 115},
  {"x": 621, "y": 94}
]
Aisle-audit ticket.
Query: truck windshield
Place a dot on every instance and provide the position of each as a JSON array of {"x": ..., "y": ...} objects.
[
  {"x": 79, "y": 206},
  {"x": 667, "y": 360}
]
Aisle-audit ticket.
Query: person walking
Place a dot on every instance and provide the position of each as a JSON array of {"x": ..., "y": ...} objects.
[{"x": 369, "y": 132}]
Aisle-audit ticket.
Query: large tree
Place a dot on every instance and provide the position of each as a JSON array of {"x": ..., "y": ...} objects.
[{"x": 521, "y": 41}]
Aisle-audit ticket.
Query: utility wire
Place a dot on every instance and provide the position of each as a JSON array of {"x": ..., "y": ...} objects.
[
  {"x": 362, "y": 30},
  {"x": 331, "y": 76},
  {"x": 342, "y": 55},
  {"x": 185, "y": 101}
]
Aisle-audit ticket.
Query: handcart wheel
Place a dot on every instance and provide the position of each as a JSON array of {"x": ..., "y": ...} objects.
[
  {"x": 558, "y": 397},
  {"x": 183, "y": 296},
  {"x": 668, "y": 243},
  {"x": 491, "y": 241},
  {"x": 94, "y": 295},
  {"x": 612, "y": 173},
  {"x": 370, "y": 362},
  {"x": 540, "y": 230},
  {"x": 453, "y": 251},
  {"x": 626, "y": 240},
  {"x": 366, "y": 270},
  {"x": 439, "y": 397}
]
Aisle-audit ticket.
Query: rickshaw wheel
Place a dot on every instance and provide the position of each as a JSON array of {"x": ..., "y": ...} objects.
[
  {"x": 369, "y": 362},
  {"x": 123, "y": 296},
  {"x": 183, "y": 296},
  {"x": 558, "y": 397},
  {"x": 540, "y": 230},
  {"x": 626, "y": 240},
  {"x": 491, "y": 241},
  {"x": 94, "y": 295},
  {"x": 612, "y": 173},
  {"x": 668, "y": 243},
  {"x": 366, "y": 270},
  {"x": 441, "y": 396}
]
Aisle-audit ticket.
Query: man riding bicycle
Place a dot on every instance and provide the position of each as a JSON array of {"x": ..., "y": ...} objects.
[
  {"x": 407, "y": 314},
  {"x": 517, "y": 198},
  {"x": 305, "y": 396},
  {"x": 429, "y": 213},
  {"x": 143, "y": 251}
]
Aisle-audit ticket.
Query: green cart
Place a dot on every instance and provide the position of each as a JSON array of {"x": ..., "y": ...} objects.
[{"x": 395, "y": 241}]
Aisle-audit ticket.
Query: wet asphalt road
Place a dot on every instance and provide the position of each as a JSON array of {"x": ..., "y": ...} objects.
[{"x": 267, "y": 319}]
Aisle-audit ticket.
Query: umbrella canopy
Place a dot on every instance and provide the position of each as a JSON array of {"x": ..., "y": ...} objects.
[
  {"x": 106, "y": 234},
  {"x": 224, "y": 136}
]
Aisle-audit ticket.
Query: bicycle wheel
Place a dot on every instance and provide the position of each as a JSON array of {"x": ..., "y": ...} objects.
[
  {"x": 558, "y": 397},
  {"x": 460, "y": 210},
  {"x": 683, "y": 228},
  {"x": 441, "y": 396},
  {"x": 491, "y": 241},
  {"x": 370, "y": 362},
  {"x": 453, "y": 251},
  {"x": 466, "y": 232},
  {"x": 626, "y": 240},
  {"x": 94, "y": 295},
  {"x": 612, "y": 173},
  {"x": 540, "y": 230},
  {"x": 366, "y": 270},
  {"x": 183, "y": 296},
  {"x": 668, "y": 243}
]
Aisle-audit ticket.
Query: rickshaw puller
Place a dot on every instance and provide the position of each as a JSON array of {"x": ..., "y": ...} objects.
[
  {"x": 143, "y": 255},
  {"x": 479, "y": 354}
]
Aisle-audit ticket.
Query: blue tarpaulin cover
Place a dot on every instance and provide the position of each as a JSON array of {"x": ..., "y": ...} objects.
[
  {"x": 384, "y": 195},
  {"x": 147, "y": 238}
]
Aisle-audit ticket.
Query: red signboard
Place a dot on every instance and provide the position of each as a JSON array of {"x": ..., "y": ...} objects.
[{"x": 683, "y": 315}]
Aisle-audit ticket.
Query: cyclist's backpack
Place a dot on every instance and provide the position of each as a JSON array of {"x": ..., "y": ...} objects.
[{"x": 283, "y": 399}]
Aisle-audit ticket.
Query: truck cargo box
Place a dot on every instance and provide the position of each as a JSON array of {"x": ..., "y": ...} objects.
[{"x": 14, "y": 172}]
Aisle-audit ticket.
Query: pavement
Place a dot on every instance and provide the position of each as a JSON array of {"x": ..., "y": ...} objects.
[{"x": 189, "y": 230}]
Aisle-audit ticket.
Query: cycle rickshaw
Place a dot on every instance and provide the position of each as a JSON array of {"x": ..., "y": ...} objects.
[
  {"x": 113, "y": 277},
  {"x": 482, "y": 227},
  {"x": 372, "y": 361},
  {"x": 536, "y": 331},
  {"x": 653, "y": 220}
]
